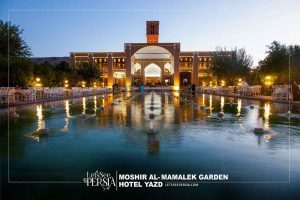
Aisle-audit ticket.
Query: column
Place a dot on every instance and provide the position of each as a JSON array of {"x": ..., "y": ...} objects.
[
  {"x": 128, "y": 65},
  {"x": 195, "y": 79},
  {"x": 142, "y": 73},
  {"x": 162, "y": 73},
  {"x": 176, "y": 77},
  {"x": 110, "y": 71}
]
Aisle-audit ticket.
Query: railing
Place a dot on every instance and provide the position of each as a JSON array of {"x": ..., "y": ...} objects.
[{"x": 35, "y": 94}]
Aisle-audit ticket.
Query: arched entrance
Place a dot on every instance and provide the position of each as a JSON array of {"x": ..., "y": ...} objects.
[
  {"x": 152, "y": 65},
  {"x": 185, "y": 78},
  {"x": 120, "y": 79},
  {"x": 153, "y": 74}
]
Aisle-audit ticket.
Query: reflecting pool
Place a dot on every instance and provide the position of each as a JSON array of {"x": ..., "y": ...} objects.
[{"x": 154, "y": 132}]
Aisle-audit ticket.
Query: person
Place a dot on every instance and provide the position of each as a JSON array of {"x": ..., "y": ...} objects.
[
  {"x": 193, "y": 88},
  {"x": 189, "y": 86},
  {"x": 295, "y": 91}
]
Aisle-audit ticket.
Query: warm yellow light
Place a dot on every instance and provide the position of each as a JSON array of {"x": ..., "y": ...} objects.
[
  {"x": 268, "y": 83},
  {"x": 176, "y": 87},
  {"x": 66, "y": 85},
  {"x": 66, "y": 81},
  {"x": 37, "y": 79},
  {"x": 128, "y": 87},
  {"x": 268, "y": 77},
  {"x": 222, "y": 83},
  {"x": 240, "y": 79}
]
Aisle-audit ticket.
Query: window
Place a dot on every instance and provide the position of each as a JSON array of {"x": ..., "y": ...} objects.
[{"x": 152, "y": 29}]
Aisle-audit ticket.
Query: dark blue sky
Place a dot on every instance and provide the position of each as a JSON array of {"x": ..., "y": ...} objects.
[{"x": 55, "y": 28}]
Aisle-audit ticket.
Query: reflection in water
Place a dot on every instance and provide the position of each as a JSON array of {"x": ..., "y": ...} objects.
[
  {"x": 239, "y": 107},
  {"x": 67, "y": 108},
  {"x": 267, "y": 115},
  {"x": 167, "y": 112},
  {"x": 39, "y": 114},
  {"x": 210, "y": 104},
  {"x": 222, "y": 104},
  {"x": 174, "y": 139},
  {"x": 95, "y": 104},
  {"x": 83, "y": 106}
]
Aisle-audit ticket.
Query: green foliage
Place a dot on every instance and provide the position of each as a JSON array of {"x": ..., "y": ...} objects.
[
  {"x": 16, "y": 65},
  {"x": 11, "y": 34},
  {"x": 88, "y": 72},
  {"x": 231, "y": 65},
  {"x": 20, "y": 72},
  {"x": 276, "y": 63}
]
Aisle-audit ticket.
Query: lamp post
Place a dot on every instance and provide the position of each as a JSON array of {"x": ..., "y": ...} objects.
[
  {"x": 38, "y": 83},
  {"x": 222, "y": 83},
  {"x": 240, "y": 82},
  {"x": 268, "y": 82},
  {"x": 66, "y": 84}
]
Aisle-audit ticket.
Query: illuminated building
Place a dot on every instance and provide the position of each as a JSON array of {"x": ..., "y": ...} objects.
[{"x": 151, "y": 63}]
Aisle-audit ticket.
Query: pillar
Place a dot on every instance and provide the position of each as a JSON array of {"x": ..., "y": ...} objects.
[
  {"x": 110, "y": 71},
  {"x": 195, "y": 79},
  {"x": 176, "y": 75},
  {"x": 142, "y": 73},
  {"x": 128, "y": 65}
]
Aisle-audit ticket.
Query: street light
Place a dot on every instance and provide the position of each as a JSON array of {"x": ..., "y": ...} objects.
[
  {"x": 222, "y": 83},
  {"x": 268, "y": 82},
  {"x": 240, "y": 82},
  {"x": 66, "y": 83},
  {"x": 38, "y": 84}
]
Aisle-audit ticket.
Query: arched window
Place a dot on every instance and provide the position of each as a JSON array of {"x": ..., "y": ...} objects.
[{"x": 152, "y": 70}]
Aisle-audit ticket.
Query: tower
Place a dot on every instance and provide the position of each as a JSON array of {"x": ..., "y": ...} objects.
[{"x": 152, "y": 31}]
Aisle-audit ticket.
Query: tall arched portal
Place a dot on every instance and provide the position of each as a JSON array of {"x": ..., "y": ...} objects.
[
  {"x": 152, "y": 74},
  {"x": 152, "y": 65}
]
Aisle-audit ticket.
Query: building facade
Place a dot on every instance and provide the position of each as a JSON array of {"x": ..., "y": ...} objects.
[{"x": 150, "y": 63}]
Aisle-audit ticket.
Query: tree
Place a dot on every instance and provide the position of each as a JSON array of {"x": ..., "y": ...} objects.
[
  {"x": 88, "y": 72},
  {"x": 17, "y": 46},
  {"x": 17, "y": 66},
  {"x": 231, "y": 65},
  {"x": 276, "y": 63}
]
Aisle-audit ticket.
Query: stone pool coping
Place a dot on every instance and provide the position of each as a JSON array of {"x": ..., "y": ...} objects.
[
  {"x": 7, "y": 105},
  {"x": 258, "y": 97}
]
